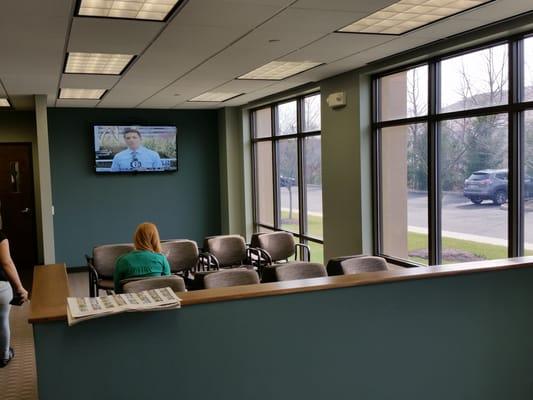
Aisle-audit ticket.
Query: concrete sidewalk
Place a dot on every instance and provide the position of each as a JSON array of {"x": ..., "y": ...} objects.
[{"x": 467, "y": 236}]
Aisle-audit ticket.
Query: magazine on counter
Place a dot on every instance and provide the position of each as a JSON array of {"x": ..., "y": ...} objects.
[{"x": 84, "y": 308}]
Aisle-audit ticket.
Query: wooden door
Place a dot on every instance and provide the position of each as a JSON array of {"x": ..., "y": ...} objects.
[{"x": 17, "y": 206}]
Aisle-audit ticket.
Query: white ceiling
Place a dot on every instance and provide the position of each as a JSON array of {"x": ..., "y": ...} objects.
[{"x": 203, "y": 47}]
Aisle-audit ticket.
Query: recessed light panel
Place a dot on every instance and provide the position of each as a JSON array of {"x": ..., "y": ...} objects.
[
  {"x": 215, "y": 96},
  {"x": 277, "y": 70},
  {"x": 96, "y": 63},
  {"x": 86, "y": 94},
  {"x": 4, "y": 103},
  {"x": 156, "y": 10},
  {"x": 406, "y": 15}
]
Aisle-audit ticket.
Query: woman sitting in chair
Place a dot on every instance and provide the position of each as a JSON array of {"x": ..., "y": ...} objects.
[{"x": 146, "y": 260}]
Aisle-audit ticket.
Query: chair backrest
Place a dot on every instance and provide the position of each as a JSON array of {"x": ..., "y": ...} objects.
[
  {"x": 231, "y": 277},
  {"x": 176, "y": 283},
  {"x": 280, "y": 245},
  {"x": 300, "y": 270},
  {"x": 105, "y": 256},
  {"x": 182, "y": 254},
  {"x": 356, "y": 264},
  {"x": 228, "y": 249}
]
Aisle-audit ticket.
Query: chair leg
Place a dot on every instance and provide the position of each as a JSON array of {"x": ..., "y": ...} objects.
[{"x": 91, "y": 284}]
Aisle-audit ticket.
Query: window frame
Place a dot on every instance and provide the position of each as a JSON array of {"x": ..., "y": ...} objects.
[
  {"x": 300, "y": 136},
  {"x": 514, "y": 109}
]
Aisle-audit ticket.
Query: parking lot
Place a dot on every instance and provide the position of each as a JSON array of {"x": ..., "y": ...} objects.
[{"x": 459, "y": 215}]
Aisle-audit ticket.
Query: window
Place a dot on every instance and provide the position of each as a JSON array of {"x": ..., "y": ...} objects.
[
  {"x": 288, "y": 170},
  {"x": 450, "y": 135}
]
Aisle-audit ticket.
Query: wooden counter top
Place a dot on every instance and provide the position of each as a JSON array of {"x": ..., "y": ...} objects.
[
  {"x": 50, "y": 285},
  {"x": 49, "y": 293}
]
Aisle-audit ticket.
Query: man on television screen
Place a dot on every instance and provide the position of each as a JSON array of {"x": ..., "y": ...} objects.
[{"x": 136, "y": 157}]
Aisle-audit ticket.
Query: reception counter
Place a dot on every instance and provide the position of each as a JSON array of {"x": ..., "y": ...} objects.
[{"x": 456, "y": 332}]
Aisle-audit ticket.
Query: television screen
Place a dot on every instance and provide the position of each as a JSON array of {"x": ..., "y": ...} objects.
[{"x": 134, "y": 148}]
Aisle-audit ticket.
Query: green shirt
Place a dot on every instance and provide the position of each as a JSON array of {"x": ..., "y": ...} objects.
[{"x": 139, "y": 263}]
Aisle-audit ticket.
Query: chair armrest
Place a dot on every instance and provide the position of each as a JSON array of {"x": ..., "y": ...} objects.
[
  {"x": 257, "y": 257},
  {"x": 302, "y": 247},
  {"x": 207, "y": 262}
]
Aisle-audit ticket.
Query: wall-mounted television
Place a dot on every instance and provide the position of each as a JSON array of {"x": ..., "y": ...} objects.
[{"x": 135, "y": 148}]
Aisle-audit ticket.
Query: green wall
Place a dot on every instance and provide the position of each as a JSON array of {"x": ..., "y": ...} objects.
[
  {"x": 454, "y": 337},
  {"x": 346, "y": 167},
  {"x": 93, "y": 209}
]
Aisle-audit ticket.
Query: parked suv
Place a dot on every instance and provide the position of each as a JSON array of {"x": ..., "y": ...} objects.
[
  {"x": 491, "y": 184},
  {"x": 487, "y": 184}
]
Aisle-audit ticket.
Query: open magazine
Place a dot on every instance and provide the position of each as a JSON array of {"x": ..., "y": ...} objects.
[{"x": 84, "y": 308}]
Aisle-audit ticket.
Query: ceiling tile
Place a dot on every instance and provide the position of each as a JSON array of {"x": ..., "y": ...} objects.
[
  {"x": 82, "y": 81},
  {"x": 366, "y": 6},
  {"x": 223, "y": 13},
  {"x": 76, "y": 103},
  {"x": 499, "y": 10},
  {"x": 105, "y": 35},
  {"x": 308, "y": 20},
  {"x": 33, "y": 56},
  {"x": 335, "y": 46}
]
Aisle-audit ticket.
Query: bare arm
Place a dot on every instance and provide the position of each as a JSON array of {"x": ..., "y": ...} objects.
[{"x": 6, "y": 262}]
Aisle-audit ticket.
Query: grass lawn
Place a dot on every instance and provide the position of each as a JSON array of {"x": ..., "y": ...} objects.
[
  {"x": 314, "y": 228},
  {"x": 418, "y": 241}
]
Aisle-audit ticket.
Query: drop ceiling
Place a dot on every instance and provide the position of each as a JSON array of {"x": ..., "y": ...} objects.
[{"x": 203, "y": 47}]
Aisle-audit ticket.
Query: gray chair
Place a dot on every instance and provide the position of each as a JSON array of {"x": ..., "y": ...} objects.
[
  {"x": 300, "y": 270},
  {"x": 182, "y": 255},
  {"x": 231, "y": 277},
  {"x": 176, "y": 283},
  {"x": 221, "y": 252},
  {"x": 224, "y": 251},
  {"x": 274, "y": 250},
  {"x": 356, "y": 264},
  {"x": 102, "y": 266},
  {"x": 279, "y": 246}
]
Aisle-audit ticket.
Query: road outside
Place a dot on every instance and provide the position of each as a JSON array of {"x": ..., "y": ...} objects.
[
  {"x": 460, "y": 217},
  {"x": 314, "y": 199}
]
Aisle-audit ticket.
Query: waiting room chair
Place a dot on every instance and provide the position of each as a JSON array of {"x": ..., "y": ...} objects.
[
  {"x": 299, "y": 270},
  {"x": 224, "y": 251},
  {"x": 176, "y": 283},
  {"x": 274, "y": 250},
  {"x": 221, "y": 252},
  {"x": 356, "y": 264},
  {"x": 231, "y": 277},
  {"x": 102, "y": 266},
  {"x": 279, "y": 246},
  {"x": 182, "y": 255}
]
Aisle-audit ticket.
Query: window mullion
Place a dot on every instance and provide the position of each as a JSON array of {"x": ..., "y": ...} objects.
[
  {"x": 302, "y": 199},
  {"x": 516, "y": 148},
  {"x": 434, "y": 189},
  {"x": 275, "y": 173}
]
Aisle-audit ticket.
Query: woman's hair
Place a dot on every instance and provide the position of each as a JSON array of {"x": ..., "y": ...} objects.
[{"x": 147, "y": 238}]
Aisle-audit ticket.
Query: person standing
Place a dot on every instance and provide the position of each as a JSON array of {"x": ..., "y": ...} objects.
[
  {"x": 9, "y": 282},
  {"x": 136, "y": 157}
]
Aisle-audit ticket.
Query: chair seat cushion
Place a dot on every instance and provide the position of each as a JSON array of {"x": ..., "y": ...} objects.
[
  {"x": 199, "y": 276},
  {"x": 106, "y": 284}
]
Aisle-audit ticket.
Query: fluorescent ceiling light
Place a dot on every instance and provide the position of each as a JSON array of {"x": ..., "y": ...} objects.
[
  {"x": 91, "y": 94},
  {"x": 156, "y": 10},
  {"x": 97, "y": 63},
  {"x": 277, "y": 70},
  {"x": 215, "y": 96},
  {"x": 407, "y": 15},
  {"x": 4, "y": 103}
]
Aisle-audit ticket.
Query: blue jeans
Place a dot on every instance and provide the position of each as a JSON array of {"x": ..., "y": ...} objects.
[{"x": 6, "y": 294}]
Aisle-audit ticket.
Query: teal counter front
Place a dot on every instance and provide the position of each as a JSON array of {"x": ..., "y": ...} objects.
[{"x": 440, "y": 333}]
